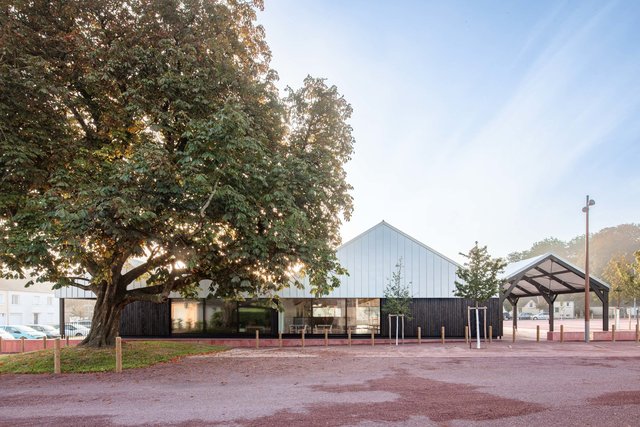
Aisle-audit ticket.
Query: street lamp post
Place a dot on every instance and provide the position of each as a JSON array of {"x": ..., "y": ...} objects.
[{"x": 590, "y": 202}]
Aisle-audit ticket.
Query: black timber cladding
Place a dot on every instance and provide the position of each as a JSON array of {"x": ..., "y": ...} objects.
[
  {"x": 433, "y": 313},
  {"x": 146, "y": 319}
]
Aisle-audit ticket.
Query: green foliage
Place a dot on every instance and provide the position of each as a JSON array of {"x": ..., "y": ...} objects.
[
  {"x": 479, "y": 276},
  {"x": 154, "y": 130},
  {"x": 397, "y": 294},
  {"x": 135, "y": 354},
  {"x": 624, "y": 278}
]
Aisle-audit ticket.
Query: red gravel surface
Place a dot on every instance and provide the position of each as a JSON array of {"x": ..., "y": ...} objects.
[{"x": 506, "y": 385}]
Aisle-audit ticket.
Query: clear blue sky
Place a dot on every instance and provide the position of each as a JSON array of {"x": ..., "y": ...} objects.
[{"x": 477, "y": 120}]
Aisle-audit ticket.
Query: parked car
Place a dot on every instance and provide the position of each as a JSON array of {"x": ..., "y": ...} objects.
[
  {"x": 506, "y": 315},
  {"x": 525, "y": 316},
  {"x": 541, "y": 316},
  {"x": 5, "y": 335},
  {"x": 20, "y": 331},
  {"x": 48, "y": 330},
  {"x": 72, "y": 330}
]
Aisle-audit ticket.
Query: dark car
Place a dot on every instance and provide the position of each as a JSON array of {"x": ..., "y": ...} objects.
[
  {"x": 525, "y": 316},
  {"x": 506, "y": 315}
]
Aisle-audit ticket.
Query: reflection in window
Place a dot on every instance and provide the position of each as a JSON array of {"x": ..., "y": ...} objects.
[
  {"x": 221, "y": 316},
  {"x": 186, "y": 316},
  {"x": 363, "y": 315},
  {"x": 254, "y": 318},
  {"x": 329, "y": 314},
  {"x": 297, "y": 315}
]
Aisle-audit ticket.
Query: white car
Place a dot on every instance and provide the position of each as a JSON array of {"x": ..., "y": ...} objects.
[
  {"x": 541, "y": 316},
  {"x": 5, "y": 335},
  {"x": 21, "y": 331},
  {"x": 48, "y": 330},
  {"x": 72, "y": 330}
]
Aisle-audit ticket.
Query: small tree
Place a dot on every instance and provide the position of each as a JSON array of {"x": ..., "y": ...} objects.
[
  {"x": 397, "y": 299},
  {"x": 397, "y": 294},
  {"x": 479, "y": 278}
]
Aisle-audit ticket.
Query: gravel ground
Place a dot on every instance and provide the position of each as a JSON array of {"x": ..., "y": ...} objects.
[{"x": 503, "y": 385}]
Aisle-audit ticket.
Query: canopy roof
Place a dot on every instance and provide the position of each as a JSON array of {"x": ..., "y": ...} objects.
[{"x": 547, "y": 275}]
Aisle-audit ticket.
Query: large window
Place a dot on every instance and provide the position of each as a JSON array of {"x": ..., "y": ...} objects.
[
  {"x": 186, "y": 316},
  {"x": 363, "y": 315},
  {"x": 329, "y": 314},
  {"x": 214, "y": 316},
  {"x": 254, "y": 318},
  {"x": 221, "y": 317},
  {"x": 297, "y": 315},
  {"x": 335, "y": 315}
]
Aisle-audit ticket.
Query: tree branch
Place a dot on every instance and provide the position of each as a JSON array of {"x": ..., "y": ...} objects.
[
  {"x": 206, "y": 205},
  {"x": 138, "y": 271},
  {"x": 78, "y": 285}
]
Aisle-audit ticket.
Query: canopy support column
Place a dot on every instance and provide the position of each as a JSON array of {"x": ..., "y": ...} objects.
[
  {"x": 514, "y": 303},
  {"x": 603, "y": 296}
]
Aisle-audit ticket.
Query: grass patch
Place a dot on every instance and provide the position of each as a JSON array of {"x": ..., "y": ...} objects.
[{"x": 135, "y": 354}]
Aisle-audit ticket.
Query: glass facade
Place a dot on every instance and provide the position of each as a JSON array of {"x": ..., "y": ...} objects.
[
  {"x": 313, "y": 316},
  {"x": 335, "y": 315},
  {"x": 217, "y": 317}
]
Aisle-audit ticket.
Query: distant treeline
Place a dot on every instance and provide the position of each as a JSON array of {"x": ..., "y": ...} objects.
[{"x": 622, "y": 240}]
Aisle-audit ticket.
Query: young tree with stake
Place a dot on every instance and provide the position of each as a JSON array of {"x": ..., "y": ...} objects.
[
  {"x": 479, "y": 279},
  {"x": 397, "y": 297}
]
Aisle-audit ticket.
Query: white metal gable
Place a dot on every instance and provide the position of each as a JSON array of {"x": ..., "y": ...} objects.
[{"x": 371, "y": 257}]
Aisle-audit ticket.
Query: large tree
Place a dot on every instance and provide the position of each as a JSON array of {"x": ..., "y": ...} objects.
[{"x": 145, "y": 141}]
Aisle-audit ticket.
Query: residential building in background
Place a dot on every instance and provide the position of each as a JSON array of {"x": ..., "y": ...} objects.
[{"x": 19, "y": 305}]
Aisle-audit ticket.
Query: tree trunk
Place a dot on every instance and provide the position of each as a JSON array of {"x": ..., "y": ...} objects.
[{"x": 105, "y": 324}]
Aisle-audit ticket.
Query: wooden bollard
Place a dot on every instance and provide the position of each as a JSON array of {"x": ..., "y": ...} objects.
[
  {"x": 537, "y": 333},
  {"x": 280, "y": 339},
  {"x": 613, "y": 333},
  {"x": 302, "y": 335},
  {"x": 326, "y": 337},
  {"x": 373, "y": 340},
  {"x": 561, "y": 333},
  {"x": 349, "y": 337},
  {"x": 44, "y": 342},
  {"x": 490, "y": 334},
  {"x": 637, "y": 332},
  {"x": 513, "y": 334},
  {"x": 466, "y": 335},
  {"x": 118, "y": 354},
  {"x": 257, "y": 338},
  {"x": 67, "y": 340},
  {"x": 442, "y": 334},
  {"x": 56, "y": 356},
  {"x": 21, "y": 344},
  {"x": 419, "y": 335}
]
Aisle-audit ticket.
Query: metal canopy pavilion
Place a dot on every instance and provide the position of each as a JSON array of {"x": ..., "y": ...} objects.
[{"x": 549, "y": 276}]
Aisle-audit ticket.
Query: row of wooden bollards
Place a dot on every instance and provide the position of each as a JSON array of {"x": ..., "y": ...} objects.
[
  {"x": 373, "y": 339},
  {"x": 56, "y": 352}
]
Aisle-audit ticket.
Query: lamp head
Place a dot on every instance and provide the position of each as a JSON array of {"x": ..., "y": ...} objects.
[
  {"x": 584, "y": 209},
  {"x": 592, "y": 202}
]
